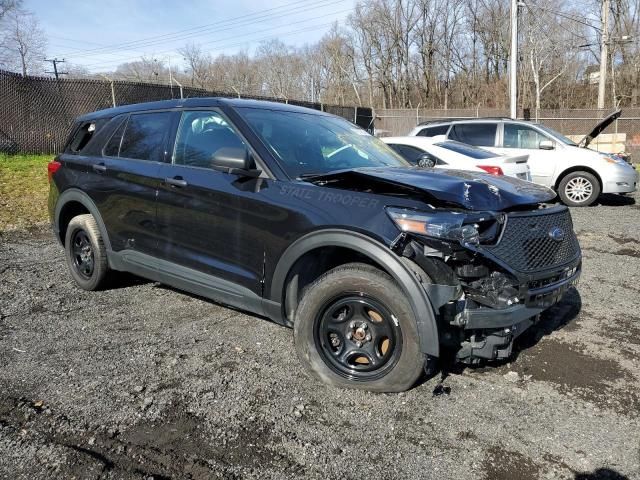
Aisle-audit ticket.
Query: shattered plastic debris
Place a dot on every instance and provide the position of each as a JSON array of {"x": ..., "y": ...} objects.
[{"x": 441, "y": 390}]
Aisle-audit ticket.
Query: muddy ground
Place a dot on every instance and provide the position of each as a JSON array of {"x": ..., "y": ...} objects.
[{"x": 143, "y": 381}]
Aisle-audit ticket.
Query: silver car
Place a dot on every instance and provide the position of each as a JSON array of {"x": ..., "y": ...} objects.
[{"x": 577, "y": 173}]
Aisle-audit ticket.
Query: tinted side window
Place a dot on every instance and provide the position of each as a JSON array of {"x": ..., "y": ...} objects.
[
  {"x": 409, "y": 153},
  {"x": 201, "y": 135},
  {"x": 467, "y": 150},
  {"x": 478, "y": 134},
  {"x": 112, "y": 147},
  {"x": 434, "y": 131},
  {"x": 521, "y": 136},
  {"x": 144, "y": 136}
]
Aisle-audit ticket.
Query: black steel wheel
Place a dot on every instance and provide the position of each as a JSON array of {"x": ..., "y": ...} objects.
[
  {"x": 82, "y": 254},
  {"x": 357, "y": 337},
  {"x": 85, "y": 252},
  {"x": 355, "y": 328}
]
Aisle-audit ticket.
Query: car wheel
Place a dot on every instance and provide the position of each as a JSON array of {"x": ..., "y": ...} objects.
[
  {"x": 85, "y": 252},
  {"x": 355, "y": 328},
  {"x": 579, "y": 189}
]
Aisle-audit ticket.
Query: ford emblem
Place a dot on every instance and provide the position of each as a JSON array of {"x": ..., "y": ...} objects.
[{"x": 557, "y": 234}]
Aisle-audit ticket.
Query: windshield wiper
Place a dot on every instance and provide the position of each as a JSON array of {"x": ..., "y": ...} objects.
[{"x": 307, "y": 176}]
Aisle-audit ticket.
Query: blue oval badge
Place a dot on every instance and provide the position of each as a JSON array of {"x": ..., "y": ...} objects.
[{"x": 557, "y": 234}]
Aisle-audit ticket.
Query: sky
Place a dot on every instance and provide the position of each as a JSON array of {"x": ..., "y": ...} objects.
[{"x": 99, "y": 34}]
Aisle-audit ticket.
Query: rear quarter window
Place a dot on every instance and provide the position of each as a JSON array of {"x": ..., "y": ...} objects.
[
  {"x": 467, "y": 150},
  {"x": 434, "y": 131},
  {"x": 83, "y": 133}
]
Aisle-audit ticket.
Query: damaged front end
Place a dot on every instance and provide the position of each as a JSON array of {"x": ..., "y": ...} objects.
[{"x": 488, "y": 274}]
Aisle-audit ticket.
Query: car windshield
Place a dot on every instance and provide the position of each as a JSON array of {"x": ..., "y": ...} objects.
[
  {"x": 307, "y": 144},
  {"x": 557, "y": 135},
  {"x": 466, "y": 150}
]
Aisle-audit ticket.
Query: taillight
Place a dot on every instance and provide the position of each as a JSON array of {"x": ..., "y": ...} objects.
[
  {"x": 53, "y": 167},
  {"x": 491, "y": 169}
]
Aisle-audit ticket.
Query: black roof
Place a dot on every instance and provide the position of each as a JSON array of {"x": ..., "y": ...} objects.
[{"x": 198, "y": 102}]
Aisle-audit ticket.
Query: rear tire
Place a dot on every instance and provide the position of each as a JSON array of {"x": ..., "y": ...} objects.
[
  {"x": 355, "y": 328},
  {"x": 579, "y": 189},
  {"x": 85, "y": 252}
]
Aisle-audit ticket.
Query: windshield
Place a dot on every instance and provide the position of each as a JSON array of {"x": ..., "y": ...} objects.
[
  {"x": 466, "y": 150},
  {"x": 557, "y": 135},
  {"x": 307, "y": 144}
]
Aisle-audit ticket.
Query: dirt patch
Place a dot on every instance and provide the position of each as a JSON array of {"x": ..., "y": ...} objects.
[
  {"x": 625, "y": 252},
  {"x": 501, "y": 464},
  {"x": 175, "y": 447},
  {"x": 624, "y": 329},
  {"x": 621, "y": 239},
  {"x": 577, "y": 373}
]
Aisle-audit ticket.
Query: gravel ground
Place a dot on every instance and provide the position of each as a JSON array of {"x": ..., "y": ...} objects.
[{"x": 142, "y": 381}]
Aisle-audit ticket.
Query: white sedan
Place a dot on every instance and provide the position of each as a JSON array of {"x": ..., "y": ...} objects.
[{"x": 438, "y": 152}]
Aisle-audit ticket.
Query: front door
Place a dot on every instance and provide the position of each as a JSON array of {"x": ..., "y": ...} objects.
[
  {"x": 521, "y": 139},
  {"x": 204, "y": 215}
]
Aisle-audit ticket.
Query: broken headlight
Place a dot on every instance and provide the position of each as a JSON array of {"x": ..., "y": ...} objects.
[{"x": 442, "y": 225}]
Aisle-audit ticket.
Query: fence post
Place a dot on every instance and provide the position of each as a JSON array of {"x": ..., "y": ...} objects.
[
  {"x": 179, "y": 85},
  {"x": 113, "y": 92},
  {"x": 355, "y": 115}
]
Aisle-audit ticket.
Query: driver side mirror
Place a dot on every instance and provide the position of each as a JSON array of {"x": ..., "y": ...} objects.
[
  {"x": 547, "y": 145},
  {"x": 426, "y": 161},
  {"x": 235, "y": 160}
]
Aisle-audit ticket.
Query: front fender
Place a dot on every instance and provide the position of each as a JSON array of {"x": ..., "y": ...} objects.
[{"x": 378, "y": 253}]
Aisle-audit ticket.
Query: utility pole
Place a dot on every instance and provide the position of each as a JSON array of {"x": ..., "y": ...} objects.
[
  {"x": 604, "y": 53},
  {"x": 513, "y": 69},
  {"x": 55, "y": 63}
]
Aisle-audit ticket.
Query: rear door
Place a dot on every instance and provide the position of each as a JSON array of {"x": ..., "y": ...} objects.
[
  {"x": 124, "y": 180},
  {"x": 519, "y": 139}
]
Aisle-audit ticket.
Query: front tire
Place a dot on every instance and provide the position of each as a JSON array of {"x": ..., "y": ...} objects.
[
  {"x": 85, "y": 252},
  {"x": 579, "y": 189},
  {"x": 355, "y": 328}
]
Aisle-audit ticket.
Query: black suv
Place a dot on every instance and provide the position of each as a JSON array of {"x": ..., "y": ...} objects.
[{"x": 306, "y": 219}]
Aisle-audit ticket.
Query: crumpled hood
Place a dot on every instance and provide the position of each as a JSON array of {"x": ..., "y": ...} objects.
[{"x": 469, "y": 190}]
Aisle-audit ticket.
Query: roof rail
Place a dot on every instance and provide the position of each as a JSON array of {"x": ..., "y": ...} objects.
[{"x": 458, "y": 119}]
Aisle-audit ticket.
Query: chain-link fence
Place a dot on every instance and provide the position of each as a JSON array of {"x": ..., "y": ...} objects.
[
  {"x": 36, "y": 112},
  {"x": 571, "y": 122}
]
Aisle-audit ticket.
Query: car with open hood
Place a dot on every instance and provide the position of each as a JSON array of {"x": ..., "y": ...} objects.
[
  {"x": 440, "y": 153},
  {"x": 306, "y": 219},
  {"x": 576, "y": 172}
]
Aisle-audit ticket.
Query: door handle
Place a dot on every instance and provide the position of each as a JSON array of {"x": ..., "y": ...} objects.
[
  {"x": 99, "y": 168},
  {"x": 176, "y": 182}
]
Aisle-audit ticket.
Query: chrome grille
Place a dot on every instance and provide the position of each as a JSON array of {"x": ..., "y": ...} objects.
[{"x": 527, "y": 246}]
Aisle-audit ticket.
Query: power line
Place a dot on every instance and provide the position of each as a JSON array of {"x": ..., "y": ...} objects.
[
  {"x": 123, "y": 59},
  {"x": 231, "y": 45},
  {"x": 243, "y": 20},
  {"x": 563, "y": 15}
]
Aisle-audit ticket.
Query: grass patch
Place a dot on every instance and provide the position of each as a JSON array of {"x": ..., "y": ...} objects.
[{"x": 23, "y": 190}]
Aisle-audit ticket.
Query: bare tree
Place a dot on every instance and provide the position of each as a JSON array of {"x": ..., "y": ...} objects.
[
  {"x": 8, "y": 6},
  {"x": 147, "y": 69},
  {"x": 23, "y": 44}
]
